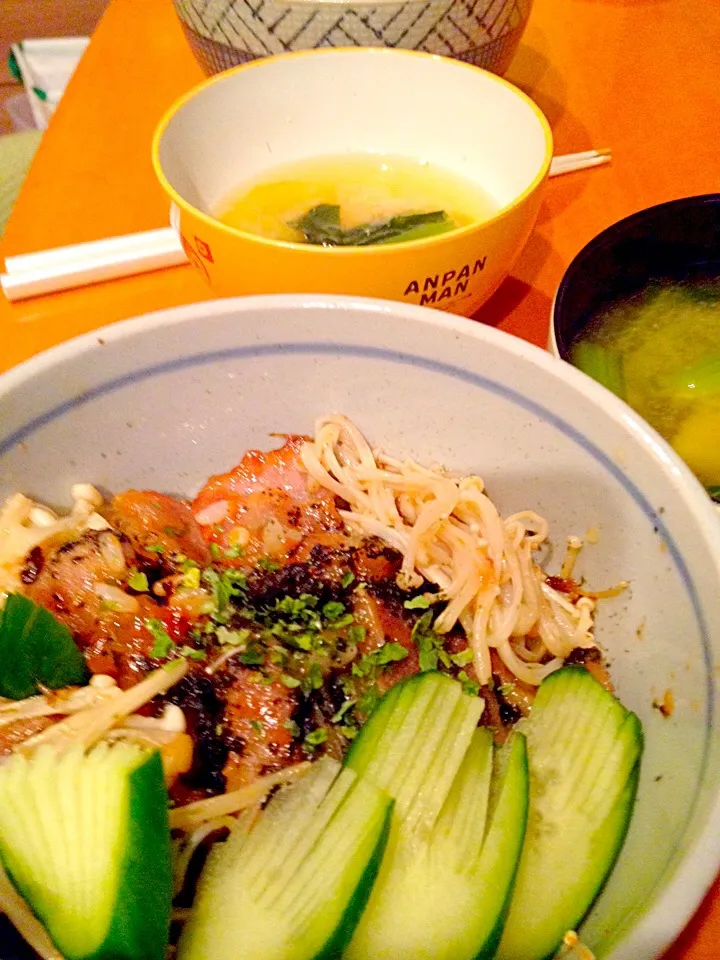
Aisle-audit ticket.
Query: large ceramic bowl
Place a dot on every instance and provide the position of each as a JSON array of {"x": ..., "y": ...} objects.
[
  {"x": 224, "y": 33},
  {"x": 165, "y": 400}
]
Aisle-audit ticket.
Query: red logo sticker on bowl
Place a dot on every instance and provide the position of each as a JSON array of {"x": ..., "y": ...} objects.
[{"x": 204, "y": 250}]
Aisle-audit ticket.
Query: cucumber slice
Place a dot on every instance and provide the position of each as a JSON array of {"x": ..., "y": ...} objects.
[
  {"x": 36, "y": 650},
  {"x": 584, "y": 752},
  {"x": 457, "y": 830},
  {"x": 295, "y": 885},
  {"x": 85, "y": 838},
  {"x": 443, "y": 896},
  {"x": 413, "y": 745}
]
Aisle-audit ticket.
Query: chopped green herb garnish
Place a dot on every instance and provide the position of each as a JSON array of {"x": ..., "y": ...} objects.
[
  {"x": 388, "y": 653},
  {"x": 316, "y": 737},
  {"x": 254, "y": 656},
  {"x": 173, "y": 531},
  {"x": 463, "y": 658},
  {"x": 155, "y": 548},
  {"x": 470, "y": 687},
  {"x": 347, "y": 682},
  {"x": 344, "y": 621},
  {"x": 233, "y": 638},
  {"x": 313, "y": 679},
  {"x": 191, "y": 653},
  {"x": 368, "y": 700},
  {"x": 506, "y": 688},
  {"x": 349, "y": 731},
  {"x": 257, "y": 725},
  {"x": 225, "y": 586},
  {"x": 421, "y": 602},
  {"x": 292, "y": 727},
  {"x": 336, "y": 718},
  {"x": 296, "y": 607},
  {"x": 191, "y": 578},
  {"x": 233, "y": 553},
  {"x": 300, "y": 641},
  {"x": 111, "y": 605},
  {"x": 356, "y": 634},
  {"x": 347, "y": 578},
  {"x": 214, "y": 550},
  {"x": 333, "y": 610},
  {"x": 138, "y": 581},
  {"x": 289, "y": 682},
  {"x": 163, "y": 643},
  {"x": 267, "y": 564},
  {"x": 430, "y": 645}
]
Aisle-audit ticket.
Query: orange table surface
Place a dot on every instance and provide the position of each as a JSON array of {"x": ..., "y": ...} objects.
[{"x": 639, "y": 76}]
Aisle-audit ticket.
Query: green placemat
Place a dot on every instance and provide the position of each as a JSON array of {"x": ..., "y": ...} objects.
[{"x": 16, "y": 153}]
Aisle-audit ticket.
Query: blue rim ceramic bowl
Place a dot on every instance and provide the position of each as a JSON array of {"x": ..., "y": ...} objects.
[{"x": 165, "y": 400}]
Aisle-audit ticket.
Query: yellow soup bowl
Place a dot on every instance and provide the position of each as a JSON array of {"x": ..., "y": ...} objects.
[{"x": 240, "y": 125}]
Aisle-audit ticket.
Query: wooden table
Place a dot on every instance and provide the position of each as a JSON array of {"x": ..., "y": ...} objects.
[{"x": 633, "y": 75}]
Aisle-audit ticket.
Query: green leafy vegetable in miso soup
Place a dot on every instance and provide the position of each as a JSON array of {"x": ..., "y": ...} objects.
[
  {"x": 660, "y": 351},
  {"x": 321, "y": 226},
  {"x": 358, "y": 200}
]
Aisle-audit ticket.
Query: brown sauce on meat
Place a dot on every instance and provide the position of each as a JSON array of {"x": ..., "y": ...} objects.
[{"x": 286, "y": 537}]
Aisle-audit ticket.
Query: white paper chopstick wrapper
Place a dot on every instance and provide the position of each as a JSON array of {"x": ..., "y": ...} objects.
[{"x": 48, "y": 271}]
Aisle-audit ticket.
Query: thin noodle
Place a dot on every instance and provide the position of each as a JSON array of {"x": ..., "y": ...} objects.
[
  {"x": 194, "y": 814},
  {"x": 180, "y": 867},
  {"x": 450, "y": 533}
]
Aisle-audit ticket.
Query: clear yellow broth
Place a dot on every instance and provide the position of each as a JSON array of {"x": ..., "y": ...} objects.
[
  {"x": 368, "y": 188},
  {"x": 660, "y": 351}
]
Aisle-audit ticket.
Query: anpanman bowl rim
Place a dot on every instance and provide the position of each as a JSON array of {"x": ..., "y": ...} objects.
[{"x": 371, "y": 250}]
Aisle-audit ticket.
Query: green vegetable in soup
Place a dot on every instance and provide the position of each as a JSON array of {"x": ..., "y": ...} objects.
[
  {"x": 700, "y": 379},
  {"x": 601, "y": 364},
  {"x": 665, "y": 341},
  {"x": 321, "y": 226}
]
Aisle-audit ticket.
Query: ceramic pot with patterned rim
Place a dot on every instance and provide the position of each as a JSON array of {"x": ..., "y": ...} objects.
[{"x": 224, "y": 33}]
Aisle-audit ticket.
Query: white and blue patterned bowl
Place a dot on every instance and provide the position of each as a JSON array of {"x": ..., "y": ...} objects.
[
  {"x": 165, "y": 400},
  {"x": 224, "y": 33}
]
